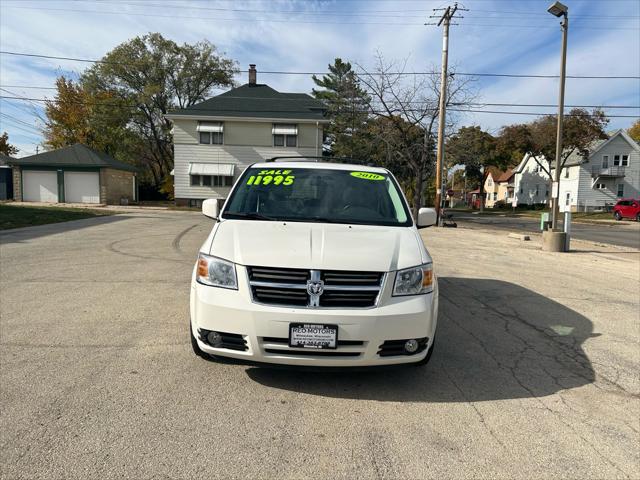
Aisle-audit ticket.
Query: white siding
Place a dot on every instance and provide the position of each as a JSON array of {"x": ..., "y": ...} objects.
[
  {"x": 588, "y": 196},
  {"x": 528, "y": 182},
  {"x": 244, "y": 143},
  {"x": 241, "y": 156}
]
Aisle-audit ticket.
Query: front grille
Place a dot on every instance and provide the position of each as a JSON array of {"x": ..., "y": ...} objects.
[
  {"x": 392, "y": 348},
  {"x": 288, "y": 287}
]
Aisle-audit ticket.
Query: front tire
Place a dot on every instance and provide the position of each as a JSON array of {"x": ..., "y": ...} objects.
[
  {"x": 617, "y": 216},
  {"x": 638, "y": 217}
]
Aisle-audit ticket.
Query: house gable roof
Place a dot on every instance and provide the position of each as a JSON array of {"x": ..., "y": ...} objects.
[
  {"x": 257, "y": 101},
  {"x": 506, "y": 176},
  {"x": 620, "y": 133},
  {"x": 76, "y": 155}
]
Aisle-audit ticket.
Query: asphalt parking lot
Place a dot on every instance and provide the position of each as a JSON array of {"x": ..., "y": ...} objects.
[{"x": 535, "y": 373}]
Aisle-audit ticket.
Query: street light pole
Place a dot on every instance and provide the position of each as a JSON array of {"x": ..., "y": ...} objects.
[{"x": 559, "y": 10}]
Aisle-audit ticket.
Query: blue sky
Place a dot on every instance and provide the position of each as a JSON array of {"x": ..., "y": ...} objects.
[{"x": 495, "y": 36}]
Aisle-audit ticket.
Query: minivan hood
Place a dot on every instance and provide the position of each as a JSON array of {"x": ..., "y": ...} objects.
[{"x": 318, "y": 246}]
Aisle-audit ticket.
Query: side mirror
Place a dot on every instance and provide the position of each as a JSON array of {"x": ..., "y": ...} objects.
[
  {"x": 427, "y": 217},
  {"x": 210, "y": 208}
]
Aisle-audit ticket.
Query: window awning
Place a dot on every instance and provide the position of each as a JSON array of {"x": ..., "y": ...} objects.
[
  {"x": 217, "y": 127},
  {"x": 221, "y": 169},
  {"x": 284, "y": 129}
]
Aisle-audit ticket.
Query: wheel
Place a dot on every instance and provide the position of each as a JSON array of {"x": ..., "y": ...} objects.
[
  {"x": 638, "y": 217},
  {"x": 426, "y": 359},
  {"x": 194, "y": 345},
  {"x": 617, "y": 216}
]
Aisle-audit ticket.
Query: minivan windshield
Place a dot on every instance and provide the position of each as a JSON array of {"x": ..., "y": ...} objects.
[{"x": 318, "y": 195}]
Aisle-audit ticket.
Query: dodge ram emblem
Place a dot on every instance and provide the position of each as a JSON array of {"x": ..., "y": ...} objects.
[{"x": 315, "y": 288}]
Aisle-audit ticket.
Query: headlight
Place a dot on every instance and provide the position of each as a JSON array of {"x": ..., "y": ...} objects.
[
  {"x": 216, "y": 272},
  {"x": 414, "y": 281}
]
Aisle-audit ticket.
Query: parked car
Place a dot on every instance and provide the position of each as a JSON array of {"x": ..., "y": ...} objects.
[
  {"x": 627, "y": 208},
  {"x": 316, "y": 264}
]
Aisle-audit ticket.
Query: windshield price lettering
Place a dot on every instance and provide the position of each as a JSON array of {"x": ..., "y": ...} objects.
[{"x": 266, "y": 177}]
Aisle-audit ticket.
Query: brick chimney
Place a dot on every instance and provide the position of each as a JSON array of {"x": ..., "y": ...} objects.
[{"x": 253, "y": 73}]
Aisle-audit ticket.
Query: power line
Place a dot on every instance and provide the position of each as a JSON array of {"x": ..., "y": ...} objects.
[
  {"x": 541, "y": 105},
  {"x": 288, "y": 111},
  {"x": 369, "y": 13},
  {"x": 297, "y": 21},
  {"x": 363, "y": 74}
]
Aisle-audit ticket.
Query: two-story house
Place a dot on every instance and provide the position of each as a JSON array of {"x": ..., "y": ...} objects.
[
  {"x": 531, "y": 181},
  {"x": 506, "y": 187},
  {"x": 215, "y": 140},
  {"x": 610, "y": 172}
]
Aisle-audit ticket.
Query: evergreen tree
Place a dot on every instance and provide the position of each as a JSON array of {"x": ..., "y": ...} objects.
[{"x": 347, "y": 105}]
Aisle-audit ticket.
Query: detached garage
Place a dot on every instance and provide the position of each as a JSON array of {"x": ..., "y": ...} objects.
[{"x": 75, "y": 174}]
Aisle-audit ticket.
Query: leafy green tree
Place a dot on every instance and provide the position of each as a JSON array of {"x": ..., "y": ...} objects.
[
  {"x": 6, "y": 147},
  {"x": 581, "y": 130},
  {"x": 634, "y": 131},
  {"x": 119, "y": 104},
  {"x": 476, "y": 150},
  {"x": 347, "y": 106}
]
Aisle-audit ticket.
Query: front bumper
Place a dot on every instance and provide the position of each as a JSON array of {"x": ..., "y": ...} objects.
[{"x": 265, "y": 328}]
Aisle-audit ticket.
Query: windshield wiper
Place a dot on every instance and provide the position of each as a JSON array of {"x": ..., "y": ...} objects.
[{"x": 248, "y": 216}]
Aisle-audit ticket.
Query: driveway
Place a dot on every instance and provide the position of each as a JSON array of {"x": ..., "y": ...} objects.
[
  {"x": 534, "y": 374},
  {"x": 625, "y": 234}
]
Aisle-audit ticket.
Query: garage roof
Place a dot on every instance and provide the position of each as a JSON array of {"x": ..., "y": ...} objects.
[{"x": 76, "y": 155}]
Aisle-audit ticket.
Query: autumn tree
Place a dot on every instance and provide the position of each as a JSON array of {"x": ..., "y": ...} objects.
[
  {"x": 347, "y": 103},
  {"x": 5, "y": 147},
  {"x": 634, "y": 131},
  {"x": 119, "y": 104}
]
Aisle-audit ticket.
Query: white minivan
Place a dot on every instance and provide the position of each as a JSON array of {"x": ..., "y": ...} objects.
[{"x": 317, "y": 264}]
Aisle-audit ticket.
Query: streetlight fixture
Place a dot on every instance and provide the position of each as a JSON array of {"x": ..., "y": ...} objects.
[{"x": 555, "y": 239}]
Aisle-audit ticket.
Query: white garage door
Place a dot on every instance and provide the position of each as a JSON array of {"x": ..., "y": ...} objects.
[
  {"x": 40, "y": 186},
  {"x": 81, "y": 187}
]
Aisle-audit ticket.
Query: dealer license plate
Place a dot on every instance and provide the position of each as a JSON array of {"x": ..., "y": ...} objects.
[{"x": 312, "y": 335}]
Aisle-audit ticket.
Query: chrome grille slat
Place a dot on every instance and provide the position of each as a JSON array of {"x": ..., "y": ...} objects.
[{"x": 288, "y": 287}]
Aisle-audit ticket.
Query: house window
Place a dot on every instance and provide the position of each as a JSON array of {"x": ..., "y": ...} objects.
[
  {"x": 605, "y": 161},
  {"x": 537, "y": 190},
  {"x": 616, "y": 160},
  {"x": 211, "y": 138},
  {"x": 521, "y": 190},
  {"x": 285, "y": 135},
  {"x": 495, "y": 196},
  {"x": 566, "y": 173},
  {"x": 211, "y": 181},
  {"x": 568, "y": 199},
  {"x": 621, "y": 189},
  {"x": 600, "y": 186},
  {"x": 625, "y": 160}
]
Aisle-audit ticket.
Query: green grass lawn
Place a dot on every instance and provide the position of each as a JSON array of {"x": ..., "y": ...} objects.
[{"x": 15, "y": 216}]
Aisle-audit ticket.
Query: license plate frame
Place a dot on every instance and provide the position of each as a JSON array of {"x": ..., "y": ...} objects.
[{"x": 325, "y": 339}]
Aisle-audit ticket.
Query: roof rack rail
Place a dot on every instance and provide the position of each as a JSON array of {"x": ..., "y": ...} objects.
[{"x": 317, "y": 159}]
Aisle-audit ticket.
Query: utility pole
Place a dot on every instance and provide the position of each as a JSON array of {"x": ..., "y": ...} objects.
[{"x": 445, "y": 21}]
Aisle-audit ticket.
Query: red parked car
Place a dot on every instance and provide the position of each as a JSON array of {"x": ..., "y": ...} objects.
[{"x": 627, "y": 208}]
